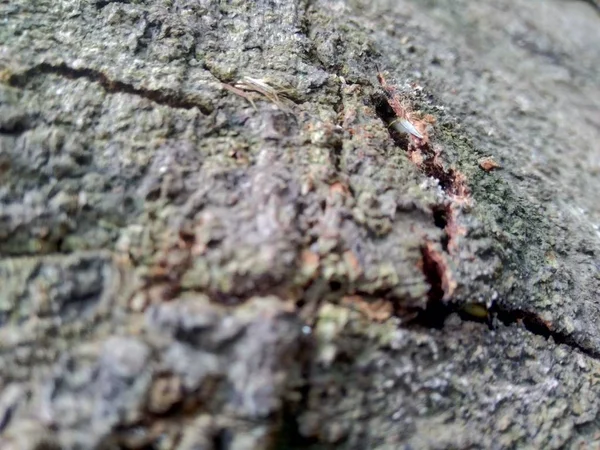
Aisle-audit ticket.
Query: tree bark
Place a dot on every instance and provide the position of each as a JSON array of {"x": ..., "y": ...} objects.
[{"x": 299, "y": 224}]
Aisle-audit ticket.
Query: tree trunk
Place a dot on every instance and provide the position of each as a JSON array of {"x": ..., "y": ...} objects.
[{"x": 299, "y": 224}]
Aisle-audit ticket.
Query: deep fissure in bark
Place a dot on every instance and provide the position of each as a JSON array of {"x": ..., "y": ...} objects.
[
  {"x": 450, "y": 180},
  {"x": 438, "y": 307},
  {"x": 436, "y": 311}
]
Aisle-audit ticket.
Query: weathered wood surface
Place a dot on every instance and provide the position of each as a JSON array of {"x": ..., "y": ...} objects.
[{"x": 212, "y": 236}]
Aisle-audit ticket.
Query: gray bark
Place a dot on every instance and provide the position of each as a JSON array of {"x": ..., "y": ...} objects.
[{"x": 215, "y": 236}]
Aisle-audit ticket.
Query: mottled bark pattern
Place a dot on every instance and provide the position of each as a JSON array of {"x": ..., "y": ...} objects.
[{"x": 213, "y": 235}]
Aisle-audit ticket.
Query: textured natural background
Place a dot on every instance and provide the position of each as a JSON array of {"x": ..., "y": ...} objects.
[{"x": 211, "y": 238}]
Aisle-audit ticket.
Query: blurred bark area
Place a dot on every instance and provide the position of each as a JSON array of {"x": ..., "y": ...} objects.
[{"x": 216, "y": 234}]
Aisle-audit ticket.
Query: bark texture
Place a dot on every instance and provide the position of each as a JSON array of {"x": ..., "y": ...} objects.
[{"x": 214, "y": 234}]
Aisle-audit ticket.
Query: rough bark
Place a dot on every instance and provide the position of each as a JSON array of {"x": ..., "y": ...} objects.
[{"x": 215, "y": 236}]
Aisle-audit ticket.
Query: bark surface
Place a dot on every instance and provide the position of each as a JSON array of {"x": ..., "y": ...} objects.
[{"x": 214, "y": 234}]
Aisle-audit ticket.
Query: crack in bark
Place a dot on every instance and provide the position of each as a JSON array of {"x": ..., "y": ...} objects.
[
  {"x": 450, "y": 180},
  {"x": 100, "y": 4},
  {"x": 167, "y": 97},
  {"x": 439, "y": 305},
  {"x": 437, "y": 311}
]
